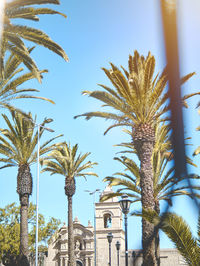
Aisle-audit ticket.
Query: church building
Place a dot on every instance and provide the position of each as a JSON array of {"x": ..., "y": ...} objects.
[{"x": 109, "y": 219}]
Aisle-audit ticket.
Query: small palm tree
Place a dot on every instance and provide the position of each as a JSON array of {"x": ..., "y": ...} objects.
[
  {"x": 14, "y": 77},
  {"x": 65, "y": 161},
  {"x": 139, "y": 102},
  {"x": 18, "y": 149},
  {"x": 13, "y": 34}
]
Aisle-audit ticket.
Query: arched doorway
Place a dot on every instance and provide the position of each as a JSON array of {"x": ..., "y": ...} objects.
[{"x": 79, "y": 263}]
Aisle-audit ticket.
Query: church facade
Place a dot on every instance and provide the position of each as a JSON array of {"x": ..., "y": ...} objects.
[{"x": 108, "y": 220}]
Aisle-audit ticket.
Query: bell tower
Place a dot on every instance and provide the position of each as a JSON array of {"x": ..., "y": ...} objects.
[{"x": 109, "y": 219}]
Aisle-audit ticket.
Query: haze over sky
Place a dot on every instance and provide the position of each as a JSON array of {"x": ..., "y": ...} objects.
[{"x": 94, "y": 34}]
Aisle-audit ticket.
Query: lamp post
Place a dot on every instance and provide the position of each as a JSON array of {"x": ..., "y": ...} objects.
[
  {"x": 38, "y": 177},
  {"x": 37, "y": 190},
  {"x": 118, "y": 248},
  {"x": 125, "y": 205},
  {"x": 95, "y": 240},
  {"x": 109, "y": 237}
]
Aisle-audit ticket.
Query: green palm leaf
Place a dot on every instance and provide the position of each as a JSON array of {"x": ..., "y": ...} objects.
[
  {"x": 13, "y": 33},
  {"x": 65, "y": 161},
  {"x": 10, "y": 86},
  {"x": 180, "y": 234},
  {"x": 18, "y": 142}
]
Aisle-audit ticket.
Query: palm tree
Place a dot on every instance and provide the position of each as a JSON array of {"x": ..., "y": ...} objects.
[
  {"x": 139, "y": 101},
  {"x": 179, "y": 232},
  {"x": 18, "y": 149},
  {"x": 166, "y": 185},
  {"x": 65, "y": 161},
  {"x": 14, "y": 77},
  {"x": 13, "y": 34}
]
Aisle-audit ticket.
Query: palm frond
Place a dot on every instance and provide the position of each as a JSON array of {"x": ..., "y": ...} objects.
[
  {"x": 64, "y": 160},
  {"x": 14, "y": 34},
  {"x": 18, "y": 141},
  {"x": 180, "y": 234}
]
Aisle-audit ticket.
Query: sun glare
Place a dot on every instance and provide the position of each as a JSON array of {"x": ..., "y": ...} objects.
[{"x": 2, "y": 4}]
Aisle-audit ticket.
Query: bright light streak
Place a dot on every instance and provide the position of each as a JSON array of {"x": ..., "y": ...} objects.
[{"x": 2, "y": 5}]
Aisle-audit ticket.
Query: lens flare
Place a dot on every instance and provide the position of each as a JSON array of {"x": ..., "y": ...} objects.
[{"x": 2, "y": 5}]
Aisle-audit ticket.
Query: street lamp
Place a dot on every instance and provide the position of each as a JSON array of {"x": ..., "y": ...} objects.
[
  {"x": 118, "y": 248},
  {"x": 95, "y": 240},
  {"x": 37, "y": 191},
  {"x": 38, "y": 176},
  {"x": 109, "y": 237},
  {"x": 125, "y": 205}
]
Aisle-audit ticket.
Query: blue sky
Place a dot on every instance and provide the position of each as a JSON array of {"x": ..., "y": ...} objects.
[{"x": 94, "y": 34}]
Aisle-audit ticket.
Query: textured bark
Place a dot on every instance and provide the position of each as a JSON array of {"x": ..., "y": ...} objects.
[
  {"x": 24, "y": 201},
  {"x": 24, "y": 189},
  {"x": 71, "y": 261},
  {"x": 70, "y": 189},
  {"x": 70, "y": 186},
  {"x": 144, "y": 147},
  {"x": 157, "y": 238},
  {"x": 24, "y": 180}
]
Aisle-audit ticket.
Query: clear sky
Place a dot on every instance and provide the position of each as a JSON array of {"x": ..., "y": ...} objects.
[{"x": 94, "y": 34}]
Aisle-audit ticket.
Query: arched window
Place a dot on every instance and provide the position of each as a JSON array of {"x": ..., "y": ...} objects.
[
  {"x": 79, "y": 263},
  {"x": 107, "y": 220}
]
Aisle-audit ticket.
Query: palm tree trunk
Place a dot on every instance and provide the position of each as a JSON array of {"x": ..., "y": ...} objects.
[
  {"x": 71, "y": 261},
  {"x": 24, "y": 189},
  {"x": 24, "y": 202},
  {"x": 145, "y": 150},
  {"x": 157, "y": 238}
]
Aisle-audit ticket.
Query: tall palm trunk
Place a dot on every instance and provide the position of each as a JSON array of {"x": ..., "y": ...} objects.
[
  {"x": 144, "y": 142},
  {"x": 70, "y": 189},
  {"x": 24, "y": 202},
  {"x": 24, "y": 189},
  {"x": 157, "y": 238},
  {"x": 70, "y": 234}
]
